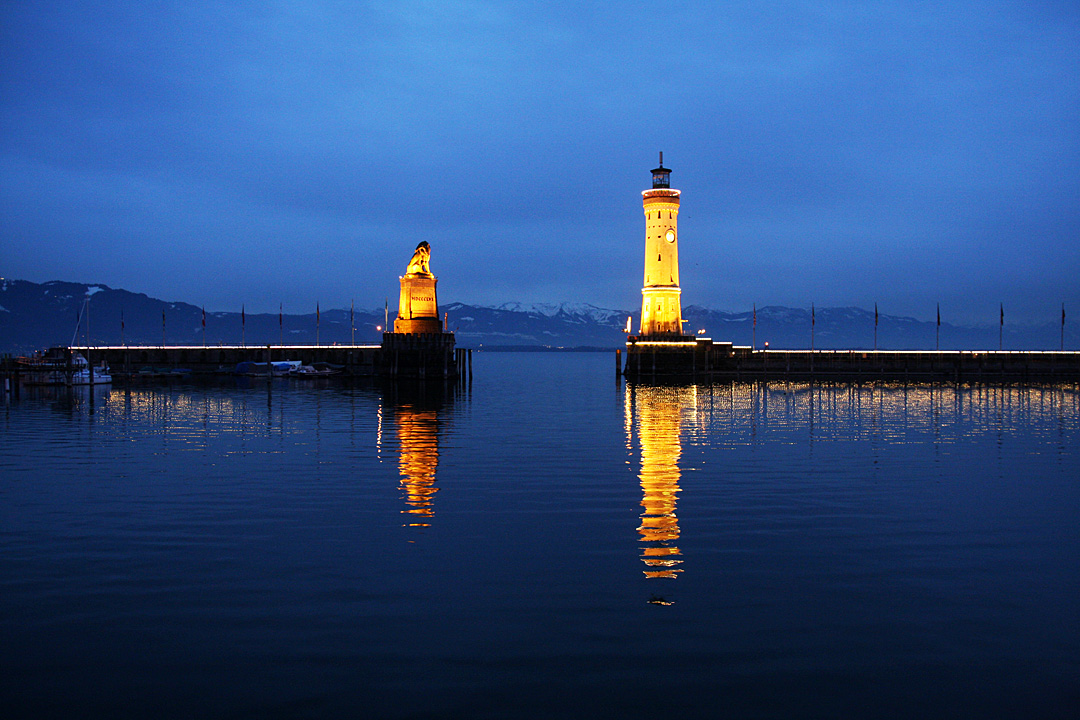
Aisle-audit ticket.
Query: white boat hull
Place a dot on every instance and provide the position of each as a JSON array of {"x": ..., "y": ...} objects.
[{"x": 82, "y": 377}]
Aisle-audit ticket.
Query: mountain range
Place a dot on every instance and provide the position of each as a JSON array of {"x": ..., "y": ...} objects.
[{"x": 34, "y": 316}]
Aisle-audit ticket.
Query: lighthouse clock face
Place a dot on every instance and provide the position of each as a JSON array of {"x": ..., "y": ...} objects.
[{"x": 670, "y": 236}]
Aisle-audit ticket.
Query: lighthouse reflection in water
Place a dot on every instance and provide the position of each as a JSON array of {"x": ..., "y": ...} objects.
[{"x": 653, "y": 426}]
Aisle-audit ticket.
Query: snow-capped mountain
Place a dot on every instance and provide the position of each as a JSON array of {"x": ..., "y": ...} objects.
[{"x": 573, "y": 312}]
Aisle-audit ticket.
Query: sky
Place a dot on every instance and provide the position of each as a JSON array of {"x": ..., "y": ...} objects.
[{"x": 907, "y": 154}]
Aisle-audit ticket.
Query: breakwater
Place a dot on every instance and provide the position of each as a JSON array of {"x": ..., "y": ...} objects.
[
  {"x": 423, "y": 356},
  {"x": 355, "y": 360},
  {"x": 702, "y": 357}
]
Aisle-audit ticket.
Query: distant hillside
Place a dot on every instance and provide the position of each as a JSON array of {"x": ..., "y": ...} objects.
[
  {"x": 565, "y": 325},
  {"x": 35, "y": 316}
]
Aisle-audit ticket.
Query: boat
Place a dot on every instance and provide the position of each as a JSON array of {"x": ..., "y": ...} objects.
[
  {"x": 169, "y": 372},
  {"x": 277, "y": 369},
  {"x": 83, "y": 377},
  {"x": 62, "y": 366},
  {"x": 315, "y": 370},
  {"x": 82, "y": 374}
]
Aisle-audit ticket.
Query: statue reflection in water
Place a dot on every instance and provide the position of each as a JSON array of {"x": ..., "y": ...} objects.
[
  {"x": 414, "y": 416},
  {"x": 653, "y": 425}
]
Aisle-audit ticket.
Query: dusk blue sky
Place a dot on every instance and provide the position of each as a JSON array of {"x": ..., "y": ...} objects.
[{"x": 836, "y": 153}]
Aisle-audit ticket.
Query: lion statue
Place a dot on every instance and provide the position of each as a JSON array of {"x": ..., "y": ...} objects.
[{"x": 419, "y": 263}]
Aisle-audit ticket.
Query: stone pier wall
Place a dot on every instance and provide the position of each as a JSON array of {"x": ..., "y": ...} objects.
[
  {"x": 357, "y": 360},
  {"x": 703, "y": 358},
  {"x": 418, "y": 355}
]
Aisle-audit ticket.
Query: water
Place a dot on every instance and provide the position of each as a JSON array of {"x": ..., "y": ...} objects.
[{"x": 546, "y": 543}]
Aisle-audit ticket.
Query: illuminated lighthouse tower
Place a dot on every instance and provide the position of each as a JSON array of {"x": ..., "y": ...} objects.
[{"x": 661, "y": 308}]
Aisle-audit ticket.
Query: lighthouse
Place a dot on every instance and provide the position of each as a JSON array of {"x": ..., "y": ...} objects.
[
  {"x": 661, "y": 349},
  {"x": 661, "y": 307}
]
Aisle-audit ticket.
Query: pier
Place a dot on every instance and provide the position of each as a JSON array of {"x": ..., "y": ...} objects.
[
  {"x": 688, "y": 357},
  {"x": 127, "y": 361},
  {"x": 400, "y": 356}
]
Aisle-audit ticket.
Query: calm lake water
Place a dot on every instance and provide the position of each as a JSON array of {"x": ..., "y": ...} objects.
[{"x": 545, "y": 543}]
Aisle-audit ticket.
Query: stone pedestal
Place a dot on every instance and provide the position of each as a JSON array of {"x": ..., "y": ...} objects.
[
  {"x": 416, "y": 326},
  {"x": 418, "y": 307}
]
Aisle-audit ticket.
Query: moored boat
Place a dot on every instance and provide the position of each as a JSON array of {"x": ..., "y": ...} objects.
[
  {"x": 62, "y": 366},
  {"x": 277, "y": 368},
  {"x": 90, "y": 376},
  {"x": 319, "y": 369}
]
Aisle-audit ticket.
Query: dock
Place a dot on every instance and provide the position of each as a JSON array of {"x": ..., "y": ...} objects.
[
  {"x": 689, "y": 357},
  {"x": 427, "y": 356},
  {"x": 131, "y": 360}
]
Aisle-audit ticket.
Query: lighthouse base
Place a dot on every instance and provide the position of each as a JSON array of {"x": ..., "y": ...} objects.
[{"x": 658, "y": 357}]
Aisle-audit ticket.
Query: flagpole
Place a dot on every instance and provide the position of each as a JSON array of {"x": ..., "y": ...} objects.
[
  {"x": 1063, "y": 326},
  {"x": 937, "y": 342},
  {"x": 813, "y": 321},
  {"x": 1001, "y": 326},
  {"x": 753, "y": 342},
  {"x": 89, "y": 363}
]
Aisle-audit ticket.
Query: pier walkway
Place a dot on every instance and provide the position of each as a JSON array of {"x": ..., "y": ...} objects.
[
  {"x": 702, "y": 357},
  {"x": 131, "y": 359}
]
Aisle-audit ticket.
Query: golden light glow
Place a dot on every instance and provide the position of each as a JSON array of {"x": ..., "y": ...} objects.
[
  {"x": 661, "y": 307},
  {"x": 654, "y": 415},
  {"x": 417, "y": 432},
  {"x": 418, "y": 305}
]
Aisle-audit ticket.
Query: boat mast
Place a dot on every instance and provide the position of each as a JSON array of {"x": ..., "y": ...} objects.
[{"x": 89, "y": 365}]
